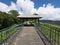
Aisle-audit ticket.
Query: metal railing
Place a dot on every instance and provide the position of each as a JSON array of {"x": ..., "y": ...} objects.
[
  {"x": 52, "y": 35},
  {"x": 7, "y": 34}
]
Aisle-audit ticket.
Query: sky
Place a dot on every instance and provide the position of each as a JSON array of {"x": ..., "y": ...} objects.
[{"x": 48, "y": 9}]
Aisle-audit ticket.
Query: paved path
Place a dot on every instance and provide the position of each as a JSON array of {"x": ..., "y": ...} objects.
[{"x": 28, "y": 36}]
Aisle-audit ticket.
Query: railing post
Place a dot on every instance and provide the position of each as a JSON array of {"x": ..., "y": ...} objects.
[
  {"x": 5, "y": 43},
  {"x": 1, "y": 38},
  {"x": 55, "y": 37},
  {"x": 58, "y": 37},
  {"x": 51, "y": 37}
]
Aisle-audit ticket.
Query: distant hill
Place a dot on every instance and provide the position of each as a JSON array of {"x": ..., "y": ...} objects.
[{"x": 51, "y": 22}]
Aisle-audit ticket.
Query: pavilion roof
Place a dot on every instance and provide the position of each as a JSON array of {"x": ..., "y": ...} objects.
[{"x": 29, "y": 16}]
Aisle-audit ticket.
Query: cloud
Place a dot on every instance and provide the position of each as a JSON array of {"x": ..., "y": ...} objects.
[
  {"x": 27, "y": 6},
  {"x": 3, "y": 7},
  {"x": 12, "y": 6},
  {"x": 6, "y": 8},
  {"x": 48, "y": 12}
]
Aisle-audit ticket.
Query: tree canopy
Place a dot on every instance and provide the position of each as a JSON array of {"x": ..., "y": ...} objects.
[{"x": 8, "y": 19}]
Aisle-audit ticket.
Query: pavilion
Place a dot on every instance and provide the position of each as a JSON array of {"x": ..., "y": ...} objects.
[{"x": 35, "y": 17}]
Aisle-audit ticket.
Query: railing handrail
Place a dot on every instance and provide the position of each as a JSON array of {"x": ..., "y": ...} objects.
[{"x": 6, "y": 28}]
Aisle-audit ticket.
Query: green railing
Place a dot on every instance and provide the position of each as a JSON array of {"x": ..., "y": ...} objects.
[
  {"x": 6, "y": 33},
  {"x": 51, "y": 32}
]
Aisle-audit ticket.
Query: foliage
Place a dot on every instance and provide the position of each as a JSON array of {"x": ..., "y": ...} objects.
[
  {"x": 14, "y": 12},
  {"x": 8, "y": 19},
  {"x": 35, "y": 14}
]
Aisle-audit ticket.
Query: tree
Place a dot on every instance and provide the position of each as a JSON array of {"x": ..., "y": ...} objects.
[
  {"x": 1, "y": 19},
  {"x": 35, "y": 14},
  {"x": 15, "y": 14},
  {"x": 8, "y": 19}
]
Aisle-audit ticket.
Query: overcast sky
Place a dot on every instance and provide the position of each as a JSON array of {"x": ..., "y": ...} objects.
[{"x": 48, "y": 9}]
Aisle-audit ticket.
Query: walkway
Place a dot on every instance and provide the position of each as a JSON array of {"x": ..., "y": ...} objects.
[{"x": 28, "y": 36}]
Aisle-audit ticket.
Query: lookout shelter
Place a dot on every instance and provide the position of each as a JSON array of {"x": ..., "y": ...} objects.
[{"x": 28, "y": 18}]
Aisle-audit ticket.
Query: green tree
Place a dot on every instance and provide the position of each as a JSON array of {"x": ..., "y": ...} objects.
[
  {"x": 15, "y": 14},
  {"x": 35, "y": 14},
  {"x": 8, "y": 19}
]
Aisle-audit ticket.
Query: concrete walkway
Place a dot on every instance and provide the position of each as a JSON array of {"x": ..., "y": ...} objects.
[{"x": 28, "y": 36}]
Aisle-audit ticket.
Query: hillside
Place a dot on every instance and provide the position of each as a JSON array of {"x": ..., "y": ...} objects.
[{"x": 51, "y": 22}]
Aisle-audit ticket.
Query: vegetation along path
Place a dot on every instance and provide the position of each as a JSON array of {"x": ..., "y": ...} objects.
[{"x": 28, "y": 36}]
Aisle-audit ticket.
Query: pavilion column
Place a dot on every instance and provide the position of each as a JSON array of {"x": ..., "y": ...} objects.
[
  {"x": 38, "y": 21},
  {"x": 35, "y": 22},
  {"x": 20, "y": 21},
  {"x": 23, "y": 21}
]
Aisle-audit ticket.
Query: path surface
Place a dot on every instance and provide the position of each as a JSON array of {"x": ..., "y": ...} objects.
[{"x": 28, "y": 36}]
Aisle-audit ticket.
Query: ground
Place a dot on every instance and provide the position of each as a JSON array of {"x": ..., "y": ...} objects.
[{"x": 28, "y": 36}]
